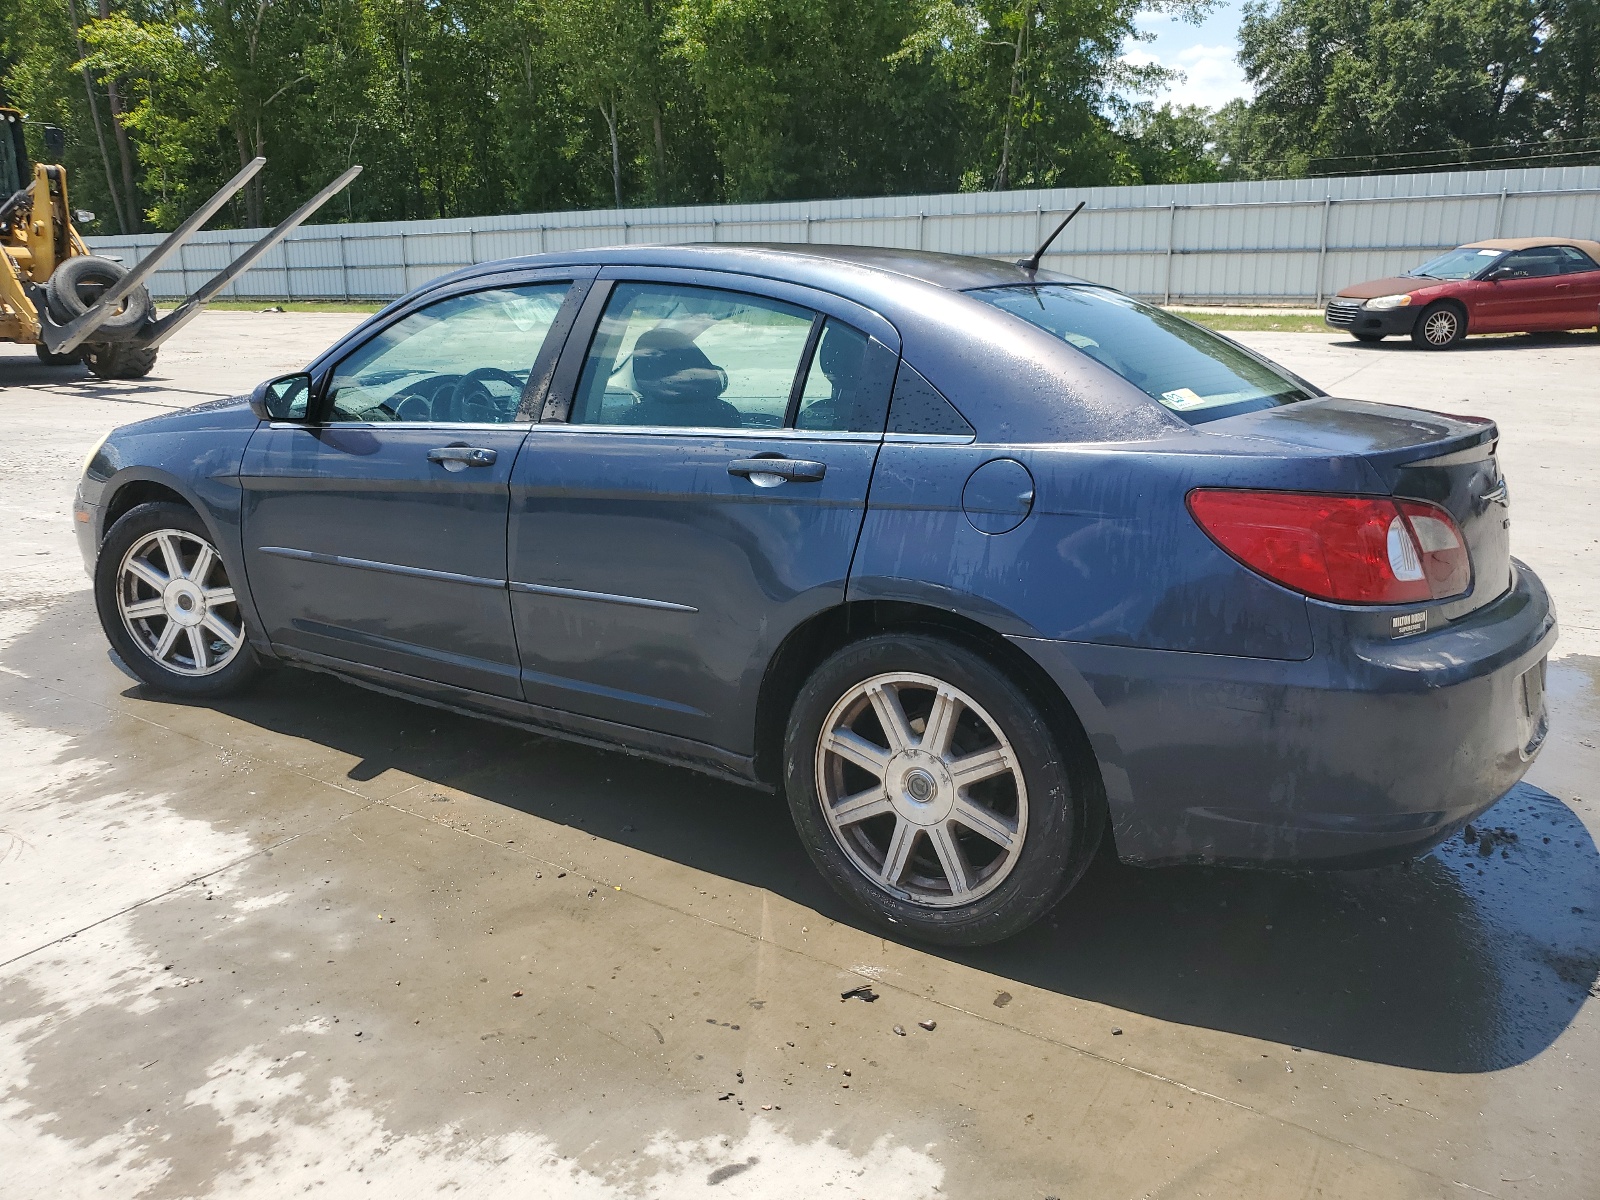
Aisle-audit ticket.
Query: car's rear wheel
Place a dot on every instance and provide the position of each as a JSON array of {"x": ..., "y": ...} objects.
[
  {"x": 167, "y": 605},
  {"x": 1439, "y": 327},
  {"x": 932, "y": 793}
]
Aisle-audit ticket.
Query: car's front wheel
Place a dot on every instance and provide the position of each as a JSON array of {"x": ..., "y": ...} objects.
[
  {"x": 1440, "y": 327},
  {"x": 167, "y": 605},
  {"x": 932, "y": 793}
]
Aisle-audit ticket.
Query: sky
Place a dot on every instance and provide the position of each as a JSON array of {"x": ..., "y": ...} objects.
[{"x": 1204, "y": 53}]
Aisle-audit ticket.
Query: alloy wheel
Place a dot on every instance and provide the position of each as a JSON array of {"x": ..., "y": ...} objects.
[
  {"x": 921, "y": 789},
  {"x": 176, "y": 601},
  {"x": 1440, "y": 327}
]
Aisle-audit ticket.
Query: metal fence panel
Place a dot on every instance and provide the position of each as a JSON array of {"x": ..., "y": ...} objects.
[{"x": 1283, "y": 241}]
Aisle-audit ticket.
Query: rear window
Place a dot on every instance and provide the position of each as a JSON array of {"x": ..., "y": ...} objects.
[{"x": 1181, "y": 366}]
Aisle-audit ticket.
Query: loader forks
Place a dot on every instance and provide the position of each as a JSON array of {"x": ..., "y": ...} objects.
[{"x": 37, "y": 237}]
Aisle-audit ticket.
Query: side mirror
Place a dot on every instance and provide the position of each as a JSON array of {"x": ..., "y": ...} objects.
[
  {"x": 55, "y": 142},
  {"x": 1497, "y": 274},
  {"x": 286, "y": 398}
]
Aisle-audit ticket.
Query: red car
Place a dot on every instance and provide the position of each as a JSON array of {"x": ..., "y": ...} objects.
[{"x": 1504, "y": 285}]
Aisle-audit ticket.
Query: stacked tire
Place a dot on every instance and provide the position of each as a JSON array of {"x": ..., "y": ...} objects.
[{"x": 73, "y": 289}]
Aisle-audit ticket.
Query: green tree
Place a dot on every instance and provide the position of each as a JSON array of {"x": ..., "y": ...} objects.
[
  {"x": 1040, "y": 82},
  {"x": 174, "y": 113},
  {"x": 1173, "y": 144},
  {"x": 1354, "y": 85},
  {"x": 810, "y": 97},
  {"x": 1568, "y": 74}
]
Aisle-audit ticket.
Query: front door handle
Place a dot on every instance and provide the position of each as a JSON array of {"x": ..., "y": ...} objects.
[
  {"x": 459, "y": 458},
  {"x": 770, "y": 472}
]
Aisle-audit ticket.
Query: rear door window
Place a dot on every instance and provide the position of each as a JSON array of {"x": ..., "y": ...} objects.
[
  {"x": 666, "y": 355},
  {"x": 1183, "y": 367},
  {"x": 1575, "y": 261},
  {"x": 843, "y": 390}
]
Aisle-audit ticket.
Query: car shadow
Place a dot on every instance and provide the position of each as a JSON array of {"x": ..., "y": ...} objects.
[
  {"x": 1499, "y": 341},
  {"x": 1471, "y": 959},
  {"x": 1462, "y": 961}
]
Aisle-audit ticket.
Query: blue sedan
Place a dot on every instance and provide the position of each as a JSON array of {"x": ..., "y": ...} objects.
[{"x": 979, "y": 564}]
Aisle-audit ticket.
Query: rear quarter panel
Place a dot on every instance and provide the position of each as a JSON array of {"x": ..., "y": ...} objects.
[{"x": 1108, "y": 554}]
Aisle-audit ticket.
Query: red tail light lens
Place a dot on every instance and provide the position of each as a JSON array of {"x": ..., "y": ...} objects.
[{"x": 1349, "y": 549}]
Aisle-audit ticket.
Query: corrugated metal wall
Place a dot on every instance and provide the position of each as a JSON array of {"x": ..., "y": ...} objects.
[{"x": 1279, "y": 242}]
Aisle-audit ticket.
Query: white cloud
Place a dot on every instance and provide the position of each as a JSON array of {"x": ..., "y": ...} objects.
[{"x": 1211, "y": 75}]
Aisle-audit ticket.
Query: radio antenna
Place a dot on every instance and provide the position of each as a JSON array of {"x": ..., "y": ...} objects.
[{"x": 1031, "y": 263}]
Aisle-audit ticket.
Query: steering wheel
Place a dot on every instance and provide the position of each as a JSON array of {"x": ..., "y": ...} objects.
[
  {"x": 408, "y": 406},
  {"x": 471, "y": 393}
]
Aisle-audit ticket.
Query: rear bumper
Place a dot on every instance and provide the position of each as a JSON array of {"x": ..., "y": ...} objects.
[
  {"x": 1367, "y": 752},
  {"x": 1353, "y": 317}
]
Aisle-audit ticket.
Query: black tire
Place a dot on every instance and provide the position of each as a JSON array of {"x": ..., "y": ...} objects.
[
  {"x": 1440, "y": 326},
  {"x": 76, "y": 286},
  {"x": 1057, "y": 812},
  {"x": 113, "y": 596},
  {"x": 57, "y": 360},
  {"x": 1370, "y": 337},
  {"x": 113, "y": 360}
]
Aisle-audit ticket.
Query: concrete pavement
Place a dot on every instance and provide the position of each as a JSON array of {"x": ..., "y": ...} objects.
[{"x": 321, "y": 940}]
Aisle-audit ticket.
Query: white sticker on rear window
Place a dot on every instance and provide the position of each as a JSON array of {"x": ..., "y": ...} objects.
[{"x": 1181, "y": 398}]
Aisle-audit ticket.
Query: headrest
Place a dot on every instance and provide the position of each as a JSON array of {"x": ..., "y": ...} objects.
[{"x": 667, "y": 365}]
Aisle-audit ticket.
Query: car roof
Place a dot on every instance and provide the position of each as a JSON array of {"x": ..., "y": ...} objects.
[
  {"x": 798, "y": 260},
  {"x": 1592, "y": 249}
]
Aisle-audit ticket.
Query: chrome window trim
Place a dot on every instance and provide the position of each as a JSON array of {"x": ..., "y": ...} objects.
[
  {"x": 931, "y": 439},
  {"x": 440, "y": 425},
  {"x": 716, "y": 431}
]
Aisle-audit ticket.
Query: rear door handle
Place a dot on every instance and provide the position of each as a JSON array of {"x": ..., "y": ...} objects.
[
  {"x": 770, "y": 472},
  {"x": 459, "y": 458}
]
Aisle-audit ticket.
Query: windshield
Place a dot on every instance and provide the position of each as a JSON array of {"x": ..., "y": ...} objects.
[
  {"x": 1464, "y": 263},
  {"x": 1181, "y": 366}
]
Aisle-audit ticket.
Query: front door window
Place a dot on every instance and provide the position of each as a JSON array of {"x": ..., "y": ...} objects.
[
  {"x": 1539, "y": 263},
  {"x": 463, "y": 360}
]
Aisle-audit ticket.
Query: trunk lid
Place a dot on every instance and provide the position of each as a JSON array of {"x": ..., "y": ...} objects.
[{"x": 1416, "y": 454}]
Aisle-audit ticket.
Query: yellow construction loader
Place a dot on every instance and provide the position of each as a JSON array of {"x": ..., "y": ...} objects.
[{"x": 73, "y": 306}]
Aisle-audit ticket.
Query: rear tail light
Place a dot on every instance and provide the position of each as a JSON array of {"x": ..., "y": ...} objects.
[{"x": 1349, "y": 549}]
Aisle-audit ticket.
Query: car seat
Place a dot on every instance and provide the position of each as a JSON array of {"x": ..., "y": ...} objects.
[{"x": 677, "y": 384}]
